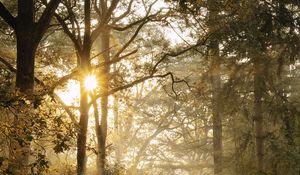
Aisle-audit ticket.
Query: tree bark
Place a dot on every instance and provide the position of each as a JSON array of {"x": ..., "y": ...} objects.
[
  {"x": 104, "y": 47},
  {"x": 26, "y": 49},
  {"x": 216, "y": 112},
  {"x": 26, "y": 46},
  {"x": 216, "y": 88},
  {"x": 258, "y": 115}
]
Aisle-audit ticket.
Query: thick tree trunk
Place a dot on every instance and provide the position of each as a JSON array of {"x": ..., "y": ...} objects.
[
  {"x": 216, "y": 87},
  {"x": 258, "y": 115},
  {"x": 25, "y": 83},
  {"x": 26, "y": 50},
  {"x": 26, "y": 46},
  {"x": 104, "y": 46}
]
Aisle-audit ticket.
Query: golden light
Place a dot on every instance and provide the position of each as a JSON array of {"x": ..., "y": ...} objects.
[
  {"x": 90, "y": 82},
  {"x": 70, "y": 94}
]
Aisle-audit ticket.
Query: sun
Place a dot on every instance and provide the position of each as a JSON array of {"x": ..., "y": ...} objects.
[{"x": 90, "y": 82}]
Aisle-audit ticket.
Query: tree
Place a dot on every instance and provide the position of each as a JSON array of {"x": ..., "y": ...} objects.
[
  {"x": 213, "y": 51},
  {"x": 28, "y": 33}
]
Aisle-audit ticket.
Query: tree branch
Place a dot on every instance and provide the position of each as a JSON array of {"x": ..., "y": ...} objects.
[
  {"x": 95, "y": 33},
  {"x": 8, "y": 65},
  {"x": 55, "y": 96},
  {"x": 7, "y": 16},
  {"x": 75, "y": 72},
  {"x": 110, "y": 10},
  {"x": 131, "y": 39},
  {"x": 154, "y": 70},
  {"x": 65, "y": 27},
  {"x": 46, "y": 17},
  {"x": 175, "y": 54},
  {"x": 124, "y": 14},
  {"x": 131, "y": 24}
]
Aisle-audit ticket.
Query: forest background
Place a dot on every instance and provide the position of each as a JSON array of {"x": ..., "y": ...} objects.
[{"x": 150, "y": 87}]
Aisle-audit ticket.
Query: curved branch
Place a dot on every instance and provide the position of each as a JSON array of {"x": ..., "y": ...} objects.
[
  {"x": 154, "y": 70},
  {"x": 131, "y": 39},
  {"x": 110, "y": 10},
  {"x": 65, "y": 27},
  {"x": 44, "y": 21},
  {"x": 124, "y": 14}
]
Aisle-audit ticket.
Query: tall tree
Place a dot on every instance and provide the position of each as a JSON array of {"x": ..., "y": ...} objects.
[
  {"x": 84, "y": 64},
  {"x": 29, "y": 32},
  {"x": 214, "y": 56}
]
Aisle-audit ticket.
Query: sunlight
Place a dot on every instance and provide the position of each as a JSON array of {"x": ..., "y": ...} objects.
[
  {"x": 90, "y": 82},
  {"x": 71, "y": 94}
]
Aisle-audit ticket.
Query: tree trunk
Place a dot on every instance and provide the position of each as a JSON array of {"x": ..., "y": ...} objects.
[
  {"x": 26, "y": 48},
  {"x": 216, "y": 108},
  {"x": 216, "y": 113},
  {"x": 258, "y": 116},
  {"x": 25, "y": 63},
  {"x": 104, "y": 46},
  {"x": 84, "y": 106},
  {"x": 216, "y": 87},
  {"x": 82, "y": 134}
]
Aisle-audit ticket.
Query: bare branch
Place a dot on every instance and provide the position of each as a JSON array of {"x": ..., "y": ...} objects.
[
  {"x": 102, "y": 52},
  {"x": 96, "y": 8},
  {"x": 45, "y": 19},
  {"x": 125, "y": 13},
  {"x": 7, "y": 16},
  {"x": 117, "y": 59},
  {"x": 66, "y": 108},
  {"x": 131, "y": 24},
  {"x": 63, "y": 80},
  {"x": 175, "y": 54},
  {"x": 131, "y": 39},
  {"x": 74, "y": 22},
  {"x": 7, "y": 64},
  {"x": 154, "y": 70},
  {"x": 65, "y": 27},
  {"x": 110, "y": 10}
]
